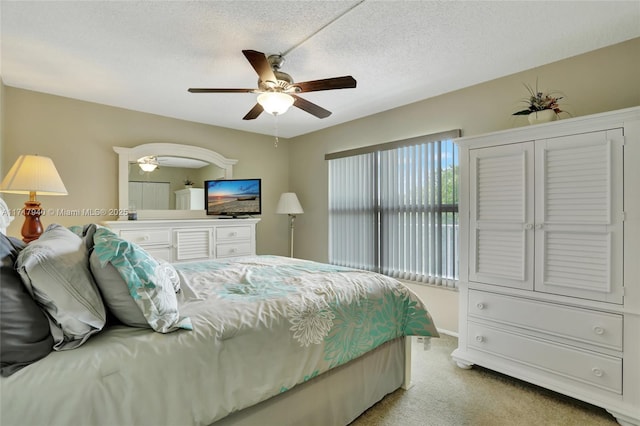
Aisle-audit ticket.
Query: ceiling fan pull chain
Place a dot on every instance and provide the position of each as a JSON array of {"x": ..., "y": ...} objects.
[{"x": 275, "y": 143}]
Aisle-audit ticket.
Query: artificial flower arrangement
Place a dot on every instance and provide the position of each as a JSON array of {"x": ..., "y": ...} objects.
[
  {"x": 188, "y": 182},
  {"x": 540, "y": 101}
]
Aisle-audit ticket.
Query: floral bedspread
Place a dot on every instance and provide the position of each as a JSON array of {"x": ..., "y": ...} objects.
[{"x": 343, "y": 311}]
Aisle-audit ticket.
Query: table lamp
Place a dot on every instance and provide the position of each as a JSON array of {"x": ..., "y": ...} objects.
[
  {"x": 33, "y": 174},
  {"x": 290, "y": 205}
]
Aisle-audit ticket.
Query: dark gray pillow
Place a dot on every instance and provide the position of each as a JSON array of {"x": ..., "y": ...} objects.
[
  {"x": 24, "y": 330},
  {"x": 86, "y": 233}
]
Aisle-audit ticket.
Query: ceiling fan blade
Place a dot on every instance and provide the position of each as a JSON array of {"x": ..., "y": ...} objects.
[
  {"x": 259, "y": 62},
  {"x": 346, "y": 82},
  {"x": 254, "y": 113},
  {"x": 310, "y": 107},
  {"x": 205, "y": 90}
]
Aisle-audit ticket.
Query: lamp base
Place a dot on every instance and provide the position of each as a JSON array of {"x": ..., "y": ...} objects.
[
  {"x": 292, "y": 218},
  {"x": 31, "y": 228}
]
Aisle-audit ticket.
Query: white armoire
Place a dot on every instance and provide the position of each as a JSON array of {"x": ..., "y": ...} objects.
[
  {"x": 190, "y": 199},
  {"x": 550, "y": 257}
]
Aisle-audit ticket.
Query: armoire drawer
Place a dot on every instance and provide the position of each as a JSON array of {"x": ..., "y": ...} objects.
[
  {"x": 581, "y": 325},
  {"x": 602, "y": 371},
  {"x": 233, "y": 249},
  {"x": 145, "y": 237},
  {"x": 227, "y": 233}
]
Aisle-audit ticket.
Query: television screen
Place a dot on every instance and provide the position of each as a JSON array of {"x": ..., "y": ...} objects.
[{"x": 233, "y": 197}]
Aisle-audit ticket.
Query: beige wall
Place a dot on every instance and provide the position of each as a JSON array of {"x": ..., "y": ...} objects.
[
  {"x": 79, "y": 137},
  {"x": 603, "y": 80}
]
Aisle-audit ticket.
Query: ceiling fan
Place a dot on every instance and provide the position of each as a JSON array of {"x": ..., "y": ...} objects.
[{"x": 276, "y": 89}]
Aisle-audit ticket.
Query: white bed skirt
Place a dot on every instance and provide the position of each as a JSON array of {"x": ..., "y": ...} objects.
[{"x": 335, "y": 398}]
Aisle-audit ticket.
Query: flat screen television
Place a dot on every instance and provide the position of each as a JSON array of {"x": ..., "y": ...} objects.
[{"x": 233, "y": 197}]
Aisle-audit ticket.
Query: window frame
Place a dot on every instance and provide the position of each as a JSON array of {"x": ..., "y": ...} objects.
[{"x": 427, "y": 210}]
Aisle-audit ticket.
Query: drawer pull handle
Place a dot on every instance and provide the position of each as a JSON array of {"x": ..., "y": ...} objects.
[
  {"x": 598, "y": 330},
  {"x": 479, "y": 339},
  {"x": 233, "y": 234},
  {"x": 480, "y": 305},
  {"x": 597, "y": 372}
]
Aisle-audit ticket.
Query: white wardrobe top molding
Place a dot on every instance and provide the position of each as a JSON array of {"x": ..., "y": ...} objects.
[
  {"x": 158, "y": 149},
  {"x": 581, "y": 124}
]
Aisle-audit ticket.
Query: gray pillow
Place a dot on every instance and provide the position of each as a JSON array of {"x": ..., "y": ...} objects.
[
  {"x": 55, "y": 269},
  {"x": 24, "y": 330}
]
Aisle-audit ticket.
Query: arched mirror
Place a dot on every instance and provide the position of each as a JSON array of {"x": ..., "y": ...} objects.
[{"x": 165, "y": 180}]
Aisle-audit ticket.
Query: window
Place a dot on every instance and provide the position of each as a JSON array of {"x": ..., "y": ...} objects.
[{"x": 393, "y": 208}]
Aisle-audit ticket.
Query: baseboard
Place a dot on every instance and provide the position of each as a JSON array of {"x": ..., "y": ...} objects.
[{"x": 447, "y": 332}]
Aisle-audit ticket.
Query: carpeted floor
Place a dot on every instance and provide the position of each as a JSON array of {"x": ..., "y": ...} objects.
[{"x": 445, "y": 395}]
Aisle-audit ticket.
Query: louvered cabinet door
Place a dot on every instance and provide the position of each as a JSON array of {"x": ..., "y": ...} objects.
[
  {"x": 192, "y": 244},
  {"x": 501, "y": 244},
  {"x": 578, "y": 225}
]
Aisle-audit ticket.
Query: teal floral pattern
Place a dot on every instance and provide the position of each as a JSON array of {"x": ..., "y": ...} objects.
[{"x": 351, "y": 335}]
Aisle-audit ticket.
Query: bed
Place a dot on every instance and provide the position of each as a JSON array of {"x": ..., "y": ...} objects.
[{"x": 249, "y": 340}]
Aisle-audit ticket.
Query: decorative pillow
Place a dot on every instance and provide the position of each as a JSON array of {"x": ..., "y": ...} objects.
[
  {"x": 170, "y": 271},
  {"x": 149, "y": 286},
  {"x": 115, "y": 293},
  {"x": 24, "y": 330},
  {"x": 55, "y": 270}
]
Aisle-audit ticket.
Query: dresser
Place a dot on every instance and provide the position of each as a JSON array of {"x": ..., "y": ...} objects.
[
  {"x": 550, "y": 257},
  {"x": 189, "y": 240}
]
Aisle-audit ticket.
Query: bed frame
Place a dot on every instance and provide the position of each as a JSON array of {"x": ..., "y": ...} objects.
[{"x": 338, "y": 396}]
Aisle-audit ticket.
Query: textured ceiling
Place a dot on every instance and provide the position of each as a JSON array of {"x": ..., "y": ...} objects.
[{"x": 143, "y": 55}]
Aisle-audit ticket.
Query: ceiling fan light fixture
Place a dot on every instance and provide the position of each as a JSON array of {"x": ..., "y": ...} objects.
[
  {"x": 148, "y": 164},
  {"x": 275, "y": 103}
]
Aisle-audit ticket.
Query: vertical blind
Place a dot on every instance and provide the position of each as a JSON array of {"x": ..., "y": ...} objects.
[
  {"x": 395, "y": 211},
  {"x": 353, "y": 228}
]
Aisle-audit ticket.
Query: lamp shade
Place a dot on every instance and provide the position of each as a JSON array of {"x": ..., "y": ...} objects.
[
  {"x": 33, "y": 174},
  {"x": 275, "y": 103},
  {"x": 289, "y": 204}
]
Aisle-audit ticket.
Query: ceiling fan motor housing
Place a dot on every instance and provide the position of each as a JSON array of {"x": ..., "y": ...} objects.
[{"x": 284, "y": 80}]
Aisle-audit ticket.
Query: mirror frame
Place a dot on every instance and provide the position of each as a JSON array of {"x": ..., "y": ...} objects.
[{"x": 131, "y": 155}]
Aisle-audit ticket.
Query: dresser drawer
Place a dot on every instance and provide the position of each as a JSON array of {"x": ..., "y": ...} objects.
[
  {"x": 163, "y": 253},
  {"x": 602, "y": 371},
  {"x": 145, "y": 237},
  {"x": 233, "y": 249},
  {"x": 227, "y": 233},
  {"x": 582, "y": 325}
]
